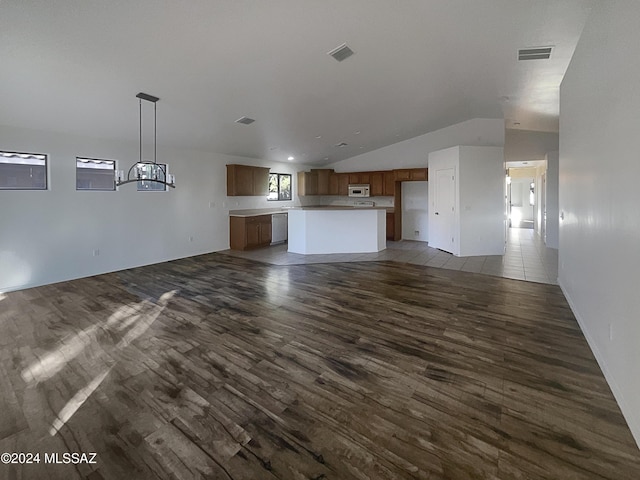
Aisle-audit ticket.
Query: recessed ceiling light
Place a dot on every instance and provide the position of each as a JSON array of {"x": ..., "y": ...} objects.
[
  {"x": 318, "y": 136},
  {"x": 357, "y": 133},
  {"x": 245, "y": 120},
  {"x": 290, "y": 158},
  {"x": 326, "y": 158},
  {"x": 342, "y": 144}
]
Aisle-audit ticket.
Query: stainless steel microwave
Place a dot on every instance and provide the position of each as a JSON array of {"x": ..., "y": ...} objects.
[{"x": 360, "y": 190}]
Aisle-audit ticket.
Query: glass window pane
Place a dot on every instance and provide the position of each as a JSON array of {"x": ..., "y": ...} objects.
[
  {"x": 23, "y": 171},
  {"x": 285, "y": 187},
  {"x": 273, "y": 187},
  {"x": 95, "y": 174},
  {"x": 279, "y": 186}
]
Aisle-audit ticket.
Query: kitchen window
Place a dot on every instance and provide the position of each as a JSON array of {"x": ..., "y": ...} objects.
[
  {"x": 95, "y": 174},
  {"x": 23, "y": 171},
  {"x": 279, "y": 186}
]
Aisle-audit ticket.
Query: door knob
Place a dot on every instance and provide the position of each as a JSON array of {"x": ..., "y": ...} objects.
[{"x": 437, "y": 213}]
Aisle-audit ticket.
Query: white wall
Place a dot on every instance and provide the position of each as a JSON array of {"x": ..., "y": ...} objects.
[
  {"x": 415, "y": 211},
  {"x": 479, "y": 204},
  {"x": 527, "y": 145},
  {"x": 414, "y": 152},
  {"x": 481, "y": 193},
  {"x": 50, "y": 236},
  {"x": 599, "y": 195},
  {"x": 553, "y": 214}
]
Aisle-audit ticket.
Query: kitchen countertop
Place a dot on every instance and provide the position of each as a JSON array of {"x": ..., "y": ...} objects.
[
  {"x": 255, "y": 212},
  {"x": 336, "y": 207}
]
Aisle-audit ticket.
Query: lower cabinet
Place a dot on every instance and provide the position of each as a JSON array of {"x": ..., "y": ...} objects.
[
  {"x": 250, "y": 232},
  {"x": 391, "y": 226}
]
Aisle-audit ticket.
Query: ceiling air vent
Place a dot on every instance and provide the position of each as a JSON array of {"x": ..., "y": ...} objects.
[
  {"x": 341, "y": 144},
  {"x": 341, "y": 53},
  {"x": 245, "y": 120},
  {"x": 537, "y": 53}
]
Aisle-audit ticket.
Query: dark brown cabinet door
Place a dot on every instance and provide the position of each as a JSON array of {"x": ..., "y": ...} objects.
[
  {"x": 343, "y": 184},
  {"x": 245, "y": 180},
  {"x": 239, "y": 180},
  {"x": 253, "y": 235},
  {"x": 334, "y": 184},
  {"x": 390, "y": 226},
  {"x": 323, "y": 181},
  {"x": 377, "y": 184},
  {"x": 260, "y": 181},
  {"x": 307, "y": 184},
  {"x": 250, "y": 232},
  {"x": 403, "y": 175},
  {"x": 265, "y": 231},
  {"x": 389, "y": 188},
  {"x": 354, "y": 178}
]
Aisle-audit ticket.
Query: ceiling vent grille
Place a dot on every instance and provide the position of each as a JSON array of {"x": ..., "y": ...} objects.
[
  {"x": 341, "y": 53},
  {"x": 245, "y": 120},
  {"x": 538, "y": 53},
  {"x": 341, "y": 144}
]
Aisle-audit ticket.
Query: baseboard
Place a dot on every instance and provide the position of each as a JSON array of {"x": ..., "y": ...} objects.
[{"x": 629, "y": 415}]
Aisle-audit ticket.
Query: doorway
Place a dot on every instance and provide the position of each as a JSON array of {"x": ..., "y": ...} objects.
[{"x": 526, "y": 198}]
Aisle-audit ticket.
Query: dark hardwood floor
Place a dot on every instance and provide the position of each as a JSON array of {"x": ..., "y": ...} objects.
[{"x": 220, "y": 367}]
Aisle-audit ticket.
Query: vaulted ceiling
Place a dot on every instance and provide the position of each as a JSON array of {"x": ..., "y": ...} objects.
[{"x": 75, "y": 66}]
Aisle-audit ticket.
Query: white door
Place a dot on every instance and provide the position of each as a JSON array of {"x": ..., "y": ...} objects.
[{"x": 444, "y": 210}]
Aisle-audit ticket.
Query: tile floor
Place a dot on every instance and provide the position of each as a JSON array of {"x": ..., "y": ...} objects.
[{"x": 526, "y": 257}]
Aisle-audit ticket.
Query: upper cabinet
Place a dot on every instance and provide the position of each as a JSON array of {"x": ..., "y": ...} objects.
[
  {"x": 377, "y": 184},
  {"x": 411, "y": 174},
  {"x": 383, "y": 183},
  {"x": 307, "y": 184},
  {"x": 339, "y": 184},
  {"x": 389, "y": 186},
  {"x": 245, "y": 180},
  {"x": 316, "y": 182}
]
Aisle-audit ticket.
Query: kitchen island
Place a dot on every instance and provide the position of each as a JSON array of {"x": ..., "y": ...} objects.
[{"x": 314, "y": 230}]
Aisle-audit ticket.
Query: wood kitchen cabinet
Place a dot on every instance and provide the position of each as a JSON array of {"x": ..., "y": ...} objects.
[
  {"x": 360, "y": 178},
  {"x": 391, "y": 228},
  {"x": 411, "y": 174},
  {"x": 307, "y": 184},
  {"x": 339, "y": 184},
  {"x": 377, "y": 184},
  {"x": 389, "y": 185},
  {"x": 323, "y": 180},
  {"x": 250, "y": 232},
  {"x": 245, "y": 180}
]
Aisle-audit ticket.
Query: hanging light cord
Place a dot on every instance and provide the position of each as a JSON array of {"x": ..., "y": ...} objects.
[{"x": 140, "y": 115}]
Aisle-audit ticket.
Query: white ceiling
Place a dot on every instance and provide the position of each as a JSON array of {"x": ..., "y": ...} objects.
[{"x": 75, "y": 66}]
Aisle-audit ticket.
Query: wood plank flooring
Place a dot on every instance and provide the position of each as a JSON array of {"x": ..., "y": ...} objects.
[{"x": 217, "y": 367}]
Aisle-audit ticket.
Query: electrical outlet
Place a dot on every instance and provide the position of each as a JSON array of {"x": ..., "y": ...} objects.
[
  {"x": 190, "y": 238},
  {"x": 96, "y": 252},
  {"x": 416, "y": 232},
  {"x": 212, "y": 204}
]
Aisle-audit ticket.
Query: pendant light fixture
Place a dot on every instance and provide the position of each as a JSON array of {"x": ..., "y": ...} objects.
[{"x": 147, "y": 170}]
